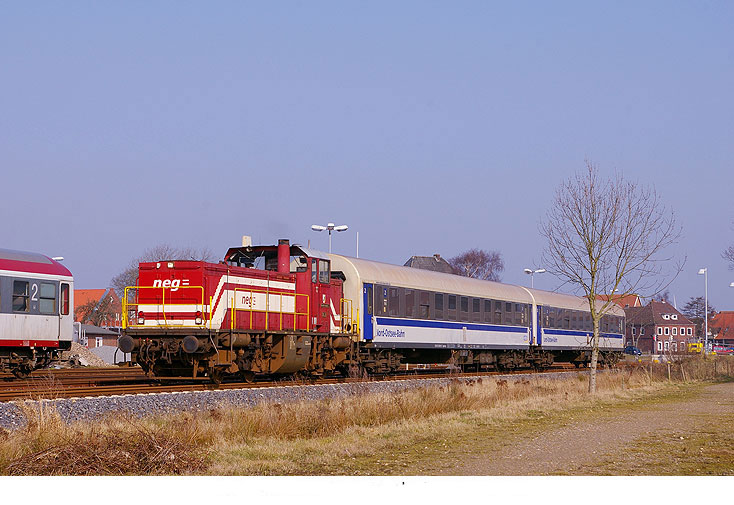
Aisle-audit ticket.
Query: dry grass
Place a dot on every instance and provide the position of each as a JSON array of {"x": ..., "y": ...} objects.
[{"x": 374, "y": 434}]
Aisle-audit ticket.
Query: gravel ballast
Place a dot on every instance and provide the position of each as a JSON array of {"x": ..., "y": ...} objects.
[{"x": 88, "y": 409}]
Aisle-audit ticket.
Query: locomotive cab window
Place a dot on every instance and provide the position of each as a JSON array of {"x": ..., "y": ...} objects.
[
  {"x": 323, "y": 271},
  {"x": 20, "y": 296},
  {"x": 314, "y": 270}
]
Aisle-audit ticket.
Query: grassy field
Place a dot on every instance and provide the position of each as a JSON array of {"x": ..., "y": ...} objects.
[{"x": 421, "y": 432}]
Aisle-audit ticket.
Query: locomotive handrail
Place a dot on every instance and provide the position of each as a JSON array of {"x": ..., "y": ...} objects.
[
  {"x": 126, "y": 304},
  {"x": 346, "y": 303},
  {"x": 267, "y": 311}
]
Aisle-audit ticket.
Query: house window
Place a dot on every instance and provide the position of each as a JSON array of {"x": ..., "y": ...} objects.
[
  {"x": 98, "y": 342},
  {"x": 667, "y": 330},
  {"x": 682, "y": 331},
  {"x": 660, "y": 330},
  {"x": 642, "y": 330},
  {"x": 675, "y": 330},
  {"x": 633, "y": 330},
  {"x": 675, "y": 346},
  {"x": 660, "y": 345},
  {"x": 690, "y": 331},
  {"x": 667, "y": 345}
]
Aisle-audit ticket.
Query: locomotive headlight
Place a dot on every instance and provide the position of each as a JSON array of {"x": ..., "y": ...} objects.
[
  {"x": 198, "y": 319},
  {"x": 141, "y": 318},
  {"x": 170, "y": 264}
]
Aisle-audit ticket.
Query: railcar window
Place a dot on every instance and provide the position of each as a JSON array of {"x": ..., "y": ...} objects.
[
  {"x": 452, "y": 302},
  {"x": 65, "y": 299},
  {"x": 464, "y": 304},
  {"x": 47, "y": 304},
  {"x": 497, "y": 312},
  {"x": 20, "y": 296},
  {"x": 314, "y": 275},
  {"x": 323, "y": 271},
  {"x": 438, "y": 305},
  {"x": 425, "y": 309},
  {"x": 476, "y": 309},
  {"x": 487, "y": 311},
  {"x": 370, "y": 301},
  {"x": 394, "y": 302},
  {"x": 451, "y": 312},
  {"x": 519, "y": 313},
  {"x": 381, "y": 300},
  {"x": 409, "y": 302}
]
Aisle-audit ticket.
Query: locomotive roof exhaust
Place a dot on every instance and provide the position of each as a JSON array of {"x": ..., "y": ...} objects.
[{"x": 284, "y": 256}]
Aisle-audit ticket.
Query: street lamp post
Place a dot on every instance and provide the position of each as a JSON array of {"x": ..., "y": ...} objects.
[
  {"x": 331, "y": 227},
  {"x": 532, "y": 273},
  {"x": 705, "y": 273}
]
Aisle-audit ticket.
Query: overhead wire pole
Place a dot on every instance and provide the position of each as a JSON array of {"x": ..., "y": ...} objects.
[{"x": 705, "y": 273}]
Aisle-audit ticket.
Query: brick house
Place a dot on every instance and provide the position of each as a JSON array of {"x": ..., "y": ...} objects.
[
  {"x": 84, "y": 296},
  {"x": 658, "y": 327}
]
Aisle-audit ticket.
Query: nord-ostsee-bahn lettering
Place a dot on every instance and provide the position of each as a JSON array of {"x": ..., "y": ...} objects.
[
  {"x": 36, "y": 311},
  {"x": 284, "y": 309}
]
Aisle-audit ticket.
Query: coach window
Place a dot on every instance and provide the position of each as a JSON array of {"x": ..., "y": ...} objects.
[
  {"x": 409, "y": 302},
  {"x": 380, "y": 300},
  {"x": 487, "y": 311},
  {"x": 64, "y": 299},
  {"x": 323, "y": 271},
  {"x": 424, "y": 305},
  {"x": 47, "y": 303},
  {"x": 464, "y": 308},
  {"x": 519, "y": 313},
  {"x": 20, "y": 296},
  {"x": 476, "y": 308},
  {"x": 370, "y": 301},
  {"x": 394, "y": 302},
  {"x": 497, "y": 312},
  {"x": 438, "y": 306},
  {"x": 452, "y": 308}
]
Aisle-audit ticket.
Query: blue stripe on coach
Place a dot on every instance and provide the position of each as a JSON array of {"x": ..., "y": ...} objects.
[{"x": 421, "y": 323}]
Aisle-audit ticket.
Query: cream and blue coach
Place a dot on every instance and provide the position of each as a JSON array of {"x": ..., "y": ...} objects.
[{"x": 475, "y": 322}]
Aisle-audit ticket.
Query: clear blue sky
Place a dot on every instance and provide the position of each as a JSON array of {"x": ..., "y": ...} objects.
[{"x": 426, "y": 126}]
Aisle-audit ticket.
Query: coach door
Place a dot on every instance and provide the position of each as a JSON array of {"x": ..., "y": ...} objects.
[{"x": 66, "y": 316}]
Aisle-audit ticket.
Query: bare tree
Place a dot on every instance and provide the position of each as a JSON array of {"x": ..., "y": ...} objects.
[
  {"x": 97, "y": 312},
  {"x": 129, "y": 276},
  {"x": 479, "y": 264},
  {"x": 728, "y": 255},
  {"x": 608, "y": 237}
]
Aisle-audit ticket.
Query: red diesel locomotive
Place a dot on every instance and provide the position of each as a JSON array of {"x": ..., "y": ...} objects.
[{"x": 264, "y": 310}]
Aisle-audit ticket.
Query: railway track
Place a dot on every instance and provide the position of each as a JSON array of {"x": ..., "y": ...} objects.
[{"x": 90, "y": 382}]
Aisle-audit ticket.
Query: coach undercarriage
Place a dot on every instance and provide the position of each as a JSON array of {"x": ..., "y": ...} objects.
[{"x": 22, "y": 361}]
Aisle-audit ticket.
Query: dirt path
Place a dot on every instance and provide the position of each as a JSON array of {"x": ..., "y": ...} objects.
[{"x": 561, "y": 450}]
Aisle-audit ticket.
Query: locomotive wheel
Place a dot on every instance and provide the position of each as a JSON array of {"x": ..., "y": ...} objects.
[{"x": 248, "y": 376}]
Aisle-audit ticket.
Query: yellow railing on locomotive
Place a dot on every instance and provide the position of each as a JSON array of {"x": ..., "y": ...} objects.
[
  {"x": 267, "y": 311},
  {"x": 128, "y": 310},
  {"x": 349, "y": 323}
]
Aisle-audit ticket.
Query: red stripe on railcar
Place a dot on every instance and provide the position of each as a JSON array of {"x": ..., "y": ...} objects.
[{"x": 29, "y": 343}]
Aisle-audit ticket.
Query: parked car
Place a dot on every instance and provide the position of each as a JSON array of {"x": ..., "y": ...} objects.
[{"x": 634, "y": 351}]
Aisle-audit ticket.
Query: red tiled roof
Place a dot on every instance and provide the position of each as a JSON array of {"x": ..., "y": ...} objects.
[
  {"x": 84, "y": 296},
  {"x": 652, "y": 313},
  {"x": 623, "y": 301},
  {"x": 723, "y": 324}
]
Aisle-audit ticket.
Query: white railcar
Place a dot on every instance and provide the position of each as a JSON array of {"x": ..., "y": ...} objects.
[
  {"x": 36, "y": 310},
  {"x": 423, "y": 313}
]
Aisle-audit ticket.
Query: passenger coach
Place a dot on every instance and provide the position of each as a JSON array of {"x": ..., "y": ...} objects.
[
  {"x": 36, "y": 320},
  {"x": 424, "y": 315}
]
